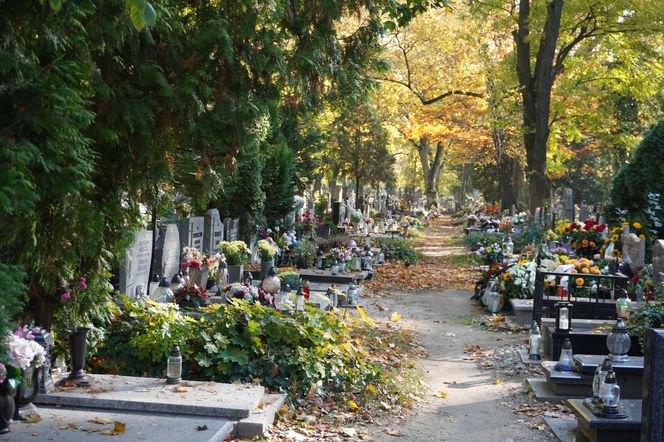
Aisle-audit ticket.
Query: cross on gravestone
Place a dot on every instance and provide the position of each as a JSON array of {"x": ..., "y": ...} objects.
[
  {"x": 135, "y": 268},
  {"x": 584, "y": 213},
  {"x": 166, "y": 259},
  {"x": 191, "y": 232},
  {"x": 652, "y": 409},
  {"x": 234, "y": 231},
  {"x": 658, "y": 262},
  {"x": 569, "y": 204},
  {"x": 213, "y": 231}
]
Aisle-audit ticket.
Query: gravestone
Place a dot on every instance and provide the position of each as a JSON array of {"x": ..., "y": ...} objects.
[
  {"x": 652, "y": 414},
  {"x": 569, "y": 204},
  {"x": 191, "y": 232},
  {"x": 336, "y": 209},
  {"x": 658, "y": 261},
  {"x": 584, "y": 213},
  {"x": 634, "y": 251},
  {"x": 227, "y": 228},
  {"x": 166, "y": 259},
  {"x": 234, "y": 231},
  {"x": 213, "y": 231},
  {"x": 135, "y": 267}
]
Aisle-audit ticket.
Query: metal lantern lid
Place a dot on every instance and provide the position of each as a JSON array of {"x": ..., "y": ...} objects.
[
  {"x": 620, "y": 326},
  {"x": 611, "y": 377},
  {"x": 175, "y": 351},
  {"x": 177, "y": 279}
]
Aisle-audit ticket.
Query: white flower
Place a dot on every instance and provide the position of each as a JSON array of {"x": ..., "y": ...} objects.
[{"x": 23, "y": 352}]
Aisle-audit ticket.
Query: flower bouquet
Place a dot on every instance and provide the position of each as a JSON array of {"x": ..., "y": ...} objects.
[
  {"x": 586, "y": 238},
  {"x": 306, "y": 223},
  {"x": 190, "y": 296},
  {"x": 490, "y": 254},
  {"x": 267, "y": 249},
  {"x": 236, "y": 252}
]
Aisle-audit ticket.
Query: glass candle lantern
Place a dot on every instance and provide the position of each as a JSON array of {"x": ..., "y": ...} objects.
[
  {"x": 299, "y": 305},
  {"x": 495, "y": 300},
  {"x": 619, "y": 342},
  {"x": 599, "y": 378},
  {"x": 174, "y": 366},
  {"x": 534, "y": 343},
  {"x": 566, "y": 357},
  {"x": 564, "y": 317},
  {"x": 610, "y": 393}
]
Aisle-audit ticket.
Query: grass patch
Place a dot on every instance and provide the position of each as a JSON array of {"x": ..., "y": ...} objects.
[{"x": 466, "y": 260}]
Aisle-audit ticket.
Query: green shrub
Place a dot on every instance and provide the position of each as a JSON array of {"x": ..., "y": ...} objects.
[
  {"x": 399, "y": 249},
  {"x": 649, "y": 315},
  {"x": 291, "y": 278},
  {"x": 532, "y": 234},
  {"x": 639, "y": 178},
  {"x": 476, "y": 239},
  {"x": 240, "y": 342}
]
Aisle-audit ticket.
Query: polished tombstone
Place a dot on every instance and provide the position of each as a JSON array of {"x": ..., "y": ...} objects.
[
  {"x": 166, "y": 259},
  {"x": 233, "y": 230},
  {"x": 191, "y": 232},
  {"x": 135, "y": 267},
  {"x": 213, "y": 231},
  {"x": 652, "y": 417}
]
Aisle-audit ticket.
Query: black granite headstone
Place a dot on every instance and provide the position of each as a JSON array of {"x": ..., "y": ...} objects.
[
  {"x": 652, "y": 417},
  {"x": 191, "y": 232},
  {"x": 336, "y": 211},
  {"x": 166, "y": 259},
  {"x": 213, "y": 231}
]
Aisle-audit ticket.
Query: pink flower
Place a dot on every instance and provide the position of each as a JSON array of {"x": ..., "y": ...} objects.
[
  {"x": 36, "y": 329},
  {"x": 82, "y": 283},
  {"x": 66, "y": 296}
]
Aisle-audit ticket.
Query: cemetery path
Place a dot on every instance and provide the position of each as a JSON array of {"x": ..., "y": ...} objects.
[
  {"x": 467, "y": 400},
  {"x": 476, "y": 404}
]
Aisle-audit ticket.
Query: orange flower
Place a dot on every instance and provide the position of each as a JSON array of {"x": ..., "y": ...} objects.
[
  {"x": 592, "y": 243},
  {"x": 579, "y": 282},
  {"x": 574, "y": 271},
  {"x": 585, "y": 270},
  {"x": 584, "y": 243}
]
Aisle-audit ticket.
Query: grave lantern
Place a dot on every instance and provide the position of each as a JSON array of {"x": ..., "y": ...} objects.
[
  {"x": 598, "y": 380},
  {"x": 619, "y": 342},
  {"x": 174, "y": 366},
  {"x": 177, "y": 282},
  {"x": 566, "y": 357},
  {"x": 271, "y": 283},
  {"x": 163, "y": 292},
  {"x": 319, "y": 259},
  {"x": 154, "y": 283},
  {"x": 564, "y": 317},
  {"x": 610, "y": 394},
  {"x": 534, "y": 343}
]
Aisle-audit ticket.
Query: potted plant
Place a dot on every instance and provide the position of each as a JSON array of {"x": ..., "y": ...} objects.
[
  {"x": 25, "y": 357},
  {"x": 237, "y": 254},
  {"x": 266, "y": 250}
]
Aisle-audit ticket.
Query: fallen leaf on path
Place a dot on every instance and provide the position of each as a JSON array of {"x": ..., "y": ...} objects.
[
  {"x": 395, "y": 317},
  {"x": 33, "y": 418},
  {"x": 353, "y": 405},
  {"x": 201, "y": 428},
  {"x": 101, "y": 420},
  {"x": 180, "y": 389},
  {"x": 441, "y": 394},
  {"x": 498, "y": 381},
  {"x": 393, "y": 432}
]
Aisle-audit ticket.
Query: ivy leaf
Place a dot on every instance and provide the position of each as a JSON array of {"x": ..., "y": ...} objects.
[{"x": 55, "y": 5}]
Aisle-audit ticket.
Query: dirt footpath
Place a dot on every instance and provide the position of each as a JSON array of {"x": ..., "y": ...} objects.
[{"x": 464, "y": 402}]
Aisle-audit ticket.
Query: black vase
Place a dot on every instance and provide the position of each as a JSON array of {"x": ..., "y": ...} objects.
[
  {"x": 6, "y": 406},
  {"x": 29, "y": 385},
  {"x": 77, "y": 351}
]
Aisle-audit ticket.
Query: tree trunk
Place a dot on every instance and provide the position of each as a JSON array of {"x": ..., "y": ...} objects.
[
  {"x": 536, "y": 94},
  {"x": 41, "y": 306},
  {"x": 430, "y": 170},
  {"x": 358, "y": 202}
]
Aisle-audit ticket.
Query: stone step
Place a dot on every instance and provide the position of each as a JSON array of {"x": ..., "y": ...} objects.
[
  {"x": 261, "y": 418},
  {"x": 212, "y": 399},
  {"x": 544, "y": 391},
  {"x": 85, "y": 424}
]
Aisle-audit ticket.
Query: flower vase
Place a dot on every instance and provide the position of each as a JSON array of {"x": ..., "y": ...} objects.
[
  {"x": 198, "y": 276},
  {"x": 6, "y": 405},
  {"x": 235, "y": 273},
  {"x": 27, "y": 391},
  {"x": 77, "y": 352},
  {"x": 265, "y": 267}
]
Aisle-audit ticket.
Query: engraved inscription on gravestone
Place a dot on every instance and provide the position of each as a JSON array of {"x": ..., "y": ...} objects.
[
  {"x": 213, "y": 231},
  {"x": 191, "y": 232},
  {"x": 135, "y": 268},
  {"x": 166, "y": 260},
  {"x": 234, "y": 231}
]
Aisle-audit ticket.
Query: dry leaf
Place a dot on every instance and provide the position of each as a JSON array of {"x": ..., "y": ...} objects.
[
  {"x": 441, "y": 394},
  {"x": 101, "y": 420},
  {"x": 498, "y": 381},
  {"x": 393, "y": 432},
  {"x": 33, "y": 418},
  {"x": 395, "y": 317},
  {"x": 201, "y": 428},
  {"x": 353, "y": 405},
  {"x": 180, "y": 389},
  {"x": 119, "y": 427}
]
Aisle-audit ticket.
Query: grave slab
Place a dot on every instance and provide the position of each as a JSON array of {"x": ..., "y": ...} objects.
[
  {"x": 564, "y": 429},
  {"x": 261, "y": 418},
  {"x": 74, "y": 425},
  {"x": 653, "y": 391},
  {"x": 599, "y": 429},
  {"x": 233, "y": 401},
  {"x": 523, "y": 311}
]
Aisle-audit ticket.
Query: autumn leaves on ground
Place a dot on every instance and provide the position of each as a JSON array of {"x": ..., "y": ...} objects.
[{"x": 445, "y": 262}]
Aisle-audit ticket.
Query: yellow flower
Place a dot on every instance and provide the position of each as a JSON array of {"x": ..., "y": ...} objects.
[
  {"x": 642, "y": 236},
  {"x": 637, "y": 225},
  {"x": 579, "y": 282},
  {"x": 585, "y": 270},
  {"x": 614, "y": 238},
  {"x": 574, "y": 271},
  {"x": 595, "y": 270},
  {"x": 615, "y": 252},
  {"x": 507, "y": 276},
  {"x": 625, "y": 223}
]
